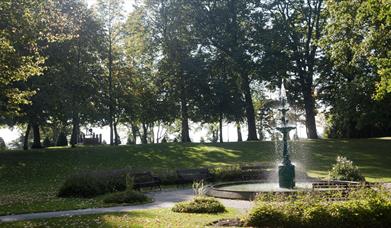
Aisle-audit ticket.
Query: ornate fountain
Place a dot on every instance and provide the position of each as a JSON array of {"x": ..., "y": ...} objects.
[{"x": 286, "y": 170}]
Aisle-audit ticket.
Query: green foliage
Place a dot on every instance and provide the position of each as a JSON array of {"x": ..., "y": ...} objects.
[
  {"x": 359, "y": 34},
  {"x": 364, "y": 208},
  {"x": 91, "y": 184},
  {"x": 127, "y": 197},
  {"x": 357, "y": 68},
  {"x": 227, "y": 173},
  {"x": 345, "y": 170},
  {"x": 62, "y": 140},
  {"x": 200, "y": 205},
  {"x": 199, "y": 188},
  {"x": 20, "y": 57}
]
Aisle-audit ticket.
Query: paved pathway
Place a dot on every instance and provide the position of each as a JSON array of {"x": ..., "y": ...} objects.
[{"x": 163, "y": 199}]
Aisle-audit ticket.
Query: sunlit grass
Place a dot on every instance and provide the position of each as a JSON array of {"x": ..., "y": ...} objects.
[
  {"x": 144, "y": 218},
  {"x": 29, "y": 180}
]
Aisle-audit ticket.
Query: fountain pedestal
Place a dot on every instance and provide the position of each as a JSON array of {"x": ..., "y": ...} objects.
[
  {"x": 286, "y": 176},
  {"x": 286, "y": 171}
]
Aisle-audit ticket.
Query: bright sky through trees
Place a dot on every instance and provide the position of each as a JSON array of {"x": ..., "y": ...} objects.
[{"x": 128, "y": 6}]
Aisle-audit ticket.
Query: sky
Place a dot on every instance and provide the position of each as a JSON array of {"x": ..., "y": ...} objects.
[{"x": 128, "y": 4}]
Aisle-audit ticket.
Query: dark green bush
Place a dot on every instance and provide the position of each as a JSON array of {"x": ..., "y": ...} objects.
[
  {"x": 345, "y": 170},
  {"x": 227, "y": 173},
  {"x": 62, "y": 140},
  {"x": 200, "y": 204},
  {"x": 168, "y": 177},
  {"x": 91, "y": 184},
  {"x": 364, "y": 208},
  {"x": 127, "y": 197}
]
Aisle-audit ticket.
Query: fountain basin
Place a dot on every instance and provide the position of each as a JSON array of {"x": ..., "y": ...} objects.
[{"x": 248, "y": 190}]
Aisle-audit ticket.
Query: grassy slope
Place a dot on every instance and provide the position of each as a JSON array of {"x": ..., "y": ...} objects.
[
  {"x": 29, "y": 180},
  {"x": 145, "y": 218}
]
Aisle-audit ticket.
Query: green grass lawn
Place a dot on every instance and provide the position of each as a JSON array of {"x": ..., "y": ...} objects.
[
  {"x": 29, "y": 180},
  {"x": 144, "y": 218}
]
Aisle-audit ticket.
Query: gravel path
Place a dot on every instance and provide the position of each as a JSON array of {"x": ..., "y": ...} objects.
[{"x": 163, "y": 199}]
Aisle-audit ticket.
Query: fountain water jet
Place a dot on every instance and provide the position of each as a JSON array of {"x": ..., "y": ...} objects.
[{"x": 286, "y": 170}]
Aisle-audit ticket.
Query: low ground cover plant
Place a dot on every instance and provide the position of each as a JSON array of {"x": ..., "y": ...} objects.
[
  {"x": 363, "y": 208},
  {"x": 344, "y": 169},
  {"x": 200, "y": 204}
]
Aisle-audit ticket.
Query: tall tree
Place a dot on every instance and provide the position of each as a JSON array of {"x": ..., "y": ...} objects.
[
  {"x": 231, "y": 27},
  {"x": 179, "y": 67},
  {"x": 20, "y": 57},
  {"x": 361, "y": 29},
  {"x": 297, "y": 27},
  {"x": 356, "y": 63},
  {"x": 110, "y": 12}
]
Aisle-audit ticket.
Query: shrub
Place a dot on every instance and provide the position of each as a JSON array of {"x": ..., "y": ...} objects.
[
  {"x": 128, "y": 196},
  {"x": 62, "y": 140},
  {"x": 200, "y": 204},
  {"x": 91, "y": 184},
  {"x": 227, "y": 173},
  {"x": 365, "y": 208},
  {"x": 199, "y": 188},
  {"x": 345, "y": 170},
  {"x": 265, "y": 215}
]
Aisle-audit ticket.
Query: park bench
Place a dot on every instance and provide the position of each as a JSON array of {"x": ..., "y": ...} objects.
[
  {"x": 144, "y": 180},
  {"x": 341, "y": 187},
  {"x": 336, "y": 184},
  {"x": 189, "y": 175}
]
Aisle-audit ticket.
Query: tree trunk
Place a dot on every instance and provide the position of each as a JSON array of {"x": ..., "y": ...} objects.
[
  {"x": 26, "y": 137},
  {"x": 185, "y": 121},
  {"x": 221, "y": 127},
  {"x": 37, "y": 137},
  {"x": 252, "y": 130},
  {"x": 151, "y": 134},
  {"x": 239, "y": 130},
  {"x": 135, "y": 132},
  {"x": 144, "y": 138},
  {"x": 111, "y": 108},
  {"x": 185, "y": 124},
  {"x": 75, "y": 129},
  {"x": 309, "y": 106},
  {"x": 116, "y": 136}
]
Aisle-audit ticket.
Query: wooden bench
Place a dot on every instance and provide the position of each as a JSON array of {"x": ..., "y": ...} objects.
[
  {"x": 342, "y": 187},
  {"x": 189, "y": 175},
  {"x": 336, "y": 185},
  {"x": 144, "y": 180}
]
